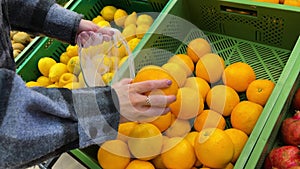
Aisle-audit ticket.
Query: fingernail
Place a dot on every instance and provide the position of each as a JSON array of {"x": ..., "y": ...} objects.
[
  {"x": 174, "y": 98},
  {"x": 169, "y": 82}
]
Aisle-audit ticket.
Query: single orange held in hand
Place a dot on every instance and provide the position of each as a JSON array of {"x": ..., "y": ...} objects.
[
  {"x": 153, "y": 72},
  {"x": 259, "y": 91}
]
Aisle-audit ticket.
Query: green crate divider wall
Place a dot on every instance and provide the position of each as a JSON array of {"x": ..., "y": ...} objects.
[
  {"x": 270, "y": 136},
  {"x": 271, "y": 24},
  {"x": 170, "y": 37}
]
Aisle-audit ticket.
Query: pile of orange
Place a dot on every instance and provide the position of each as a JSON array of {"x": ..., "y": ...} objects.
[{"x": 208, "y": 98}]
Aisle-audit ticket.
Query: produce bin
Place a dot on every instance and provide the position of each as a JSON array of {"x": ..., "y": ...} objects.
[{"x": 272, "y": 49}]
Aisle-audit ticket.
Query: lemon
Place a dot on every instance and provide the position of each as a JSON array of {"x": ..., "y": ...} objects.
[
  {"x": 130, "y": 19},
  {"x": 129, "y": 32},
  {"x": 67, "y": 78},
  {"x": 56, "y": 71},
  {"x": 123, "y": 59},
  {"x": 64, "y": 58},
  {"x": 107, "y": 77},
  {"x": 72, "y": 85},
  {"x": 103, "y": 24},
  {"x": 73, "y": 65},
  {"x": 108, "y": 12},
  {"x": 141, "y": 30},
  {"x": 97, "y": 19},
  {"x": 72, "y": 50},
  {"x": 120, "y": 16},
  {"x": 144, "y": 19},
  {"x": 43, "y": 81},
  {"x": 33, "y": 84},
  {"x": 133, "y": 43},
  {"x": 44, "y": 64},
  {"x": 52, "y": 86},
  {"x": 81, "y": 80}
]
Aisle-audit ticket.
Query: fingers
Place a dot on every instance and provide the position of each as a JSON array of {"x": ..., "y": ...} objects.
[
  {"x": 159, "y": 100},
  {"x": 150, "y": 85}
]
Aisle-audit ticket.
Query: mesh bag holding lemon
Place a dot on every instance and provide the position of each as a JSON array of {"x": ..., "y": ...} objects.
[{"x": 99, "y": 56}]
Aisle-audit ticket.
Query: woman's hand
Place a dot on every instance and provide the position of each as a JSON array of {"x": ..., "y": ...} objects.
[
  {"x": 135, "y": 106},
  {"x": 88, "y": 32}
]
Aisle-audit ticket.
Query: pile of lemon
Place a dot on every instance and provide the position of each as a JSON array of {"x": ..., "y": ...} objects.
[
  {"x": 194, "y": 134},
  {"x": 66, "y": 73}
]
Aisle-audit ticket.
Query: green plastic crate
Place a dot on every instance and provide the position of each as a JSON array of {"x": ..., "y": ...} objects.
[
  {"x": 268, "y": 59},
  {"x": 267, "y": 23}
]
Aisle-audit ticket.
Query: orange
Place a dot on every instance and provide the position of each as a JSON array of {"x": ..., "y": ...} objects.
[
  {"x": 198, "y": 84},
  {"x": 113, "y": 154},
  {"x": 188, "y": 104},
  {"x": 191, "y": 136},
  {"x": 210, "y": 67},
  {"x": 184, "y": 61},
  {"x": 209, "y": 119},
  {"x": 178, "y": 153},
  {"x": 176, "y": 71},
  {"x": 245, "y": 115},
  {"x": 152, "y": 72},
  {"x": 214, "y": 148},
  {"x": 238, "y": 76},
  {"x": 292, "y": 2},
  {"x": 197, "y": 48},
  {"x": 179, "y": 128},
  {"x": 239, "y": 139},
  {"x": 259, "y": 91},
  {"x": 124, "y": 130},
  {"x": 145, "y": 141},
  {"x": 138, "y": 164},
  {"x": 222, "y": 99},
  {"x": 270, "y": 1},
  {"x": 163, "y": 122},
  {"x": 158, "y": 163}
]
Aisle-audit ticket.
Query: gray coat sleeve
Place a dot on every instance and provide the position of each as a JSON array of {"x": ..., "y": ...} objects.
[
  {"x": 44, "y": 17},
  {"x": 37, "y": 123}
]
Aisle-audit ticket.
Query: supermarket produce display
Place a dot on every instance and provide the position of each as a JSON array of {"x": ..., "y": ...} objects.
[{"x": 232, "y": 77}]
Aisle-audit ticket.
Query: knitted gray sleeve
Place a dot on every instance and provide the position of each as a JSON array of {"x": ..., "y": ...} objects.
[
  {"x": 44, "y": 17},
  {"x": 37, "y": 123}
]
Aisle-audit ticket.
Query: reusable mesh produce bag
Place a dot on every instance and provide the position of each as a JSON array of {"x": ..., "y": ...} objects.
[{"x": 98, "y": 55}]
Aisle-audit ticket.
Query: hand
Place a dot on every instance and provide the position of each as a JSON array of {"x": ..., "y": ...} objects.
[
  {"x": 132, "y": 101},
  {"x": 88, "y": 30}
]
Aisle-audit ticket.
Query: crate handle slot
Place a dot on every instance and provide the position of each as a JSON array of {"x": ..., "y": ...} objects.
[{"x": 238, "y": 10}]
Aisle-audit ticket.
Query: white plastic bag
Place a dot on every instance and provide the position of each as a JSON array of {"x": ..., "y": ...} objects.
[{"x": 98, "y": 55}]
